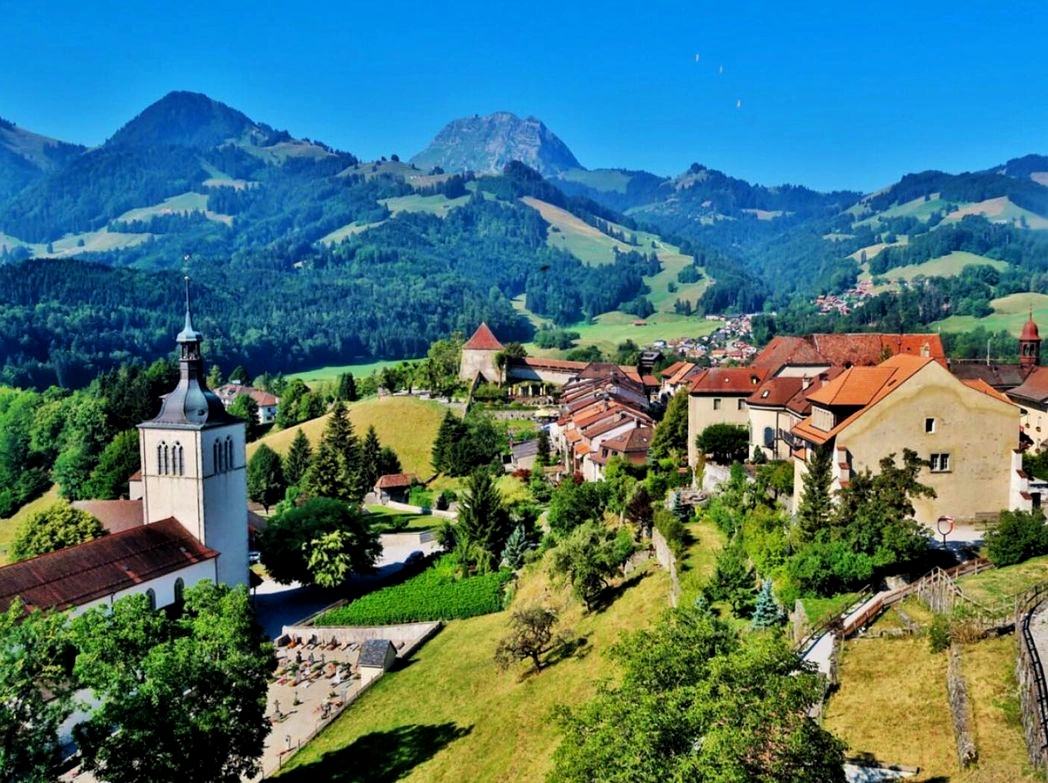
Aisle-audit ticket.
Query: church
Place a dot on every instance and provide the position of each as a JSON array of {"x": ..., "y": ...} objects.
[{"x": 189, "y": 524}]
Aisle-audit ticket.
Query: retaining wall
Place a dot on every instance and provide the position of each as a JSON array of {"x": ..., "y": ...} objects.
[{"x": 664, "y": 555}]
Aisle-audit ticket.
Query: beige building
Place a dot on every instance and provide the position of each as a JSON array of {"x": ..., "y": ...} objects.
[
  {"x": 718, "y": 396},
  {"x": 478, "y": 357},
  {"x": 966, "y": 431}
]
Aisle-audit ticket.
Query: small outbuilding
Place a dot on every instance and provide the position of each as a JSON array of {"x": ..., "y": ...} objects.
[
  {"x": 395, "y": 486},
  {"x": 376, "y": 657}
]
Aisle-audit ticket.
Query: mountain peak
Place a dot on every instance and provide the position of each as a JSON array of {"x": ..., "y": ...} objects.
[
  {"x": 189, "y": 119},
  {"x": 485, "y": 144}
]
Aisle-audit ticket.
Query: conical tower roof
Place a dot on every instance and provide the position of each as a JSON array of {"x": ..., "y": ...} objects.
[{"x": 483, "y": 340}]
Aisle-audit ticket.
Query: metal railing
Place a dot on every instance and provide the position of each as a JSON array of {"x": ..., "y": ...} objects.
[{"x": 1029, "y": 604}]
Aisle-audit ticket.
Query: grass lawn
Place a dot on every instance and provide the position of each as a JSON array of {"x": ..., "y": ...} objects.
[
  {"x": 406, "y": 424},
  {"x": 1010, "y": 313},
  {"x": 992, "y": 587},
  {"x": 330, "y": 374},
  {"x": 8, "y": 527},
  {"x": 700, "y": 560},
  {"x": 438, "y": 204},
  {"x": 949, "y": 265},
  {"x": 608, "y": 330},
  {"x": 399, "y": 522},
  {"x": 513, "y": 490},
  {"x": 819, "y": 609},
  {"x": 449, "y": 715},
  {"x": 892, "y": 703}
]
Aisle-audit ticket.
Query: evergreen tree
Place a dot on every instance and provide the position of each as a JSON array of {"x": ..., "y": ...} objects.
[
  {"x": 450, "y": 430},
  {"x": 346, "y": 388},
  {"x": 484, "y": 523},
  {"x": 815, "y": 507},
  {"x": 325, "y": 476},
  {"x": 542, "y": 455},
  {"x": 370, "y": 458},
  {"x": 120, "y": 459},
  {"x": 297, "y": 459},
  {"x": 767, "y": 613},
  {"x": 388, "y": 462},
  {"x": 516, "y": 547}
]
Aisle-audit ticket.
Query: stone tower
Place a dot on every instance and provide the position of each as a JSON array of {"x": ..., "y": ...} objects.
[
  {"x": 1029, "y": 344},
  {"x": 478, "y": 356},
  {"x": 194, "y": 463}
]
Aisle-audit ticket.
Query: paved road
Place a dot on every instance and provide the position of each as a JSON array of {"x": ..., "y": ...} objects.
[{"x": 278, "y": 605}]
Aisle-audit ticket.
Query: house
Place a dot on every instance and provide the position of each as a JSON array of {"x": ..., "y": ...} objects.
[
  {"x": 267, "y": 403},
  {"x": 777, "y": 406},
  {"x": 632, "y": 446},
  {"x": 478, "y": 357},
  {"x": 395, "y": 487},
  {"x": 522, "y": 455},
  {"x": 967, "y": 433},
  {"x": 188, "y": 525},
  {"x": 814, "y": 353},
  {"x": 718, "y": 396}
]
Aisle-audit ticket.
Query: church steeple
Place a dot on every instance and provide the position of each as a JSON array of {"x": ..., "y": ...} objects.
[
  {"x": 1030, "y": 344},
  {"x": 191, "y": 403}
]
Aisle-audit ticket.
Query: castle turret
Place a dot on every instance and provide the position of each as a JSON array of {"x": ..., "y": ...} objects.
[{"x": 478, "y": 356}]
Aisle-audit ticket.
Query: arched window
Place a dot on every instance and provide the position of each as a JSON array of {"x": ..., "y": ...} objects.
[
  {"x": 218, "y": 457},
  {"x": 180, "y": 589},
  {"x": 151, "y": 595},
  {"x": 179, "y": 460},
  {"x": 160, "y": 457},
  {"x": 769, "y": 437},
  {"x": 229, "y": 453},
  {"x": 163, "y": 458}
]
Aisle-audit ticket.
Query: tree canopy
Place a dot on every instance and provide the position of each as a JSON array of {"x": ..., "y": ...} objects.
[{"x": 56, "y": 527}]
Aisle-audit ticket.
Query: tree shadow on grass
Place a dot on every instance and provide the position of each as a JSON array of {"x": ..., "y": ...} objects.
[
  {"x": 611, "y": 594},
  {"x": 567, "y": 647},
  {"x": 380, "y": 757}
]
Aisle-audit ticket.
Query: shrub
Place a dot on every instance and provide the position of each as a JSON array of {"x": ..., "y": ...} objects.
[
  {"x": 1019, "y": 535},
  {"x": 672, "y": 530},
  {"x": 435, "y": 594},
  {"x": 939, "y": 633}
]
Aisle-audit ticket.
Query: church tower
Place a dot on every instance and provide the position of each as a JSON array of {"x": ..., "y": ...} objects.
[
  {"x": 1029, "y": 345},
  {"x": 194, "y": 463}
]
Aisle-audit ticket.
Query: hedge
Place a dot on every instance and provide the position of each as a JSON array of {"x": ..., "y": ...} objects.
[{"x": 435, "y": 594}]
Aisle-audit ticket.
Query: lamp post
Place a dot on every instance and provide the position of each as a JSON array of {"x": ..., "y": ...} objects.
[{"x": 945, "y": 526}]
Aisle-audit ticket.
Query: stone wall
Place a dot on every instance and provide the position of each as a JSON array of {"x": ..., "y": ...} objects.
[
  {"x": 664, "y": 555},
  {"x": 407, "y": 637},
  {"x": 957, "y": 691}
]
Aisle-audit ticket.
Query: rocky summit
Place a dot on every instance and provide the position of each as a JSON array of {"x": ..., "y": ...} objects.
[{"x": 486, "y": 144}]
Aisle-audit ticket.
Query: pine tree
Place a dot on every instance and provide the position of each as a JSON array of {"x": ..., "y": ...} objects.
[
  {"x": 347, "y": 387},
  {"x": 815, "y": 507},
  {"x": 297, "y": 459},
  {"x": 542, "y": 456},
  {"x": 388, "y": 462},
  {"x": 515, "y": 549},
  {"x": 325, "y": 476},
  {"x": 767, "y": 613},
  {"x": 484, "y": 524},
  {"x": 445, "y": 441},
  {"x": 370, "y": 457},
  {"x": 339, "y": 434}
]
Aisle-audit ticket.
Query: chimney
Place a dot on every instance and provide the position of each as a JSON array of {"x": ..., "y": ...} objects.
[{"x": 805, "y": 382}]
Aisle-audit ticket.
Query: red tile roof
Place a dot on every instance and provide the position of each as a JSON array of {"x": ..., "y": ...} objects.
[
  {"x": 775, "y": 392},
  {"x": 669, "y": 372},
  {"x": 115, "y": 515},
  {"x": 728, "y": 380},
  {"x": 1034, "y": 388},
  {"x": 98, "y": 568},
  {"x": 396, "y": 480},
  {"x": 857, "y": 349},
  {"x": 541, "y": 363},
  {"x": 483, "y": 340},
  {"x": 636, "y": 440}
]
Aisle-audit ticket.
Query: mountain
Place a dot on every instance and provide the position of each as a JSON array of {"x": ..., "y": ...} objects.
[
  {"x": 485, "y": 145},
  {"x": 26, "y": 157},
  {"x": 190, "y": 119}
]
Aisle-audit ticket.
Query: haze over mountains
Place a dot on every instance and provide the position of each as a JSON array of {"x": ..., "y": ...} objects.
[{"x": 307, "y": 255}]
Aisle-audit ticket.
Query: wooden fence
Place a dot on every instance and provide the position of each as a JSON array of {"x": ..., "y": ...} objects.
[{"x": 1033, "y": 691}]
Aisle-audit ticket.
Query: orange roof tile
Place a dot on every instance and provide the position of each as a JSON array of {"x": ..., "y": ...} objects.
[{"x": 483, "y": 340}]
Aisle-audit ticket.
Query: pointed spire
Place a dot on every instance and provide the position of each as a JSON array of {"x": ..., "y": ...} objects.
[{"x": 188, "y": 333}]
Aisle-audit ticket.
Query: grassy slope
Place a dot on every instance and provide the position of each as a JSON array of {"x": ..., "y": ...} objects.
[
  {"x": 608, "y": 180},
  {"x": 8, "y": 527},
  {"x": 406, "y": 424},
  {"x": 330, "y": 373},
  {"x": 438, "y": 205},
  {"x": 949, "y": 265},
  {"x": 1010, "y": 313},
  {"x": 468, "y": 721},
  {"x": 992, "y": 587},
  {"x": 892, "y": 703}
]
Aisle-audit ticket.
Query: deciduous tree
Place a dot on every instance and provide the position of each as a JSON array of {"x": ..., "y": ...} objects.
[
  {"x": 265, "y": 477},
  {"x": 530, "y": 637},
  {"x": 724, "y": 443},
  {"x": 56, "y": 527}
]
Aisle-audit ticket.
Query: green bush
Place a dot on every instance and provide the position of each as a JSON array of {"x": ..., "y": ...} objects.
[
  {"x": 939, "y": 633},
  {"x": 435, "y": 594},
  {"x": 1019, "y": 535},
  {"x": 672, "y": 530}
]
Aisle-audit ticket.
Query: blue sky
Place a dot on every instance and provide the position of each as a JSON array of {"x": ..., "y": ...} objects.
[{"x": 830, "y": 95}]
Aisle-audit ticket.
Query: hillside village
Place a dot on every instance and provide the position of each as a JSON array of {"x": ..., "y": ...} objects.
[{"x": 712, "y": 447}]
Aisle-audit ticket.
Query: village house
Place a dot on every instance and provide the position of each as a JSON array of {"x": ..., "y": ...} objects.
[
  {"x": 966, "y": 432},
  {"x": 718, "y": 396},
  {"x": 268, "y": 404},
  {"x": 191, "y": 522}
]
